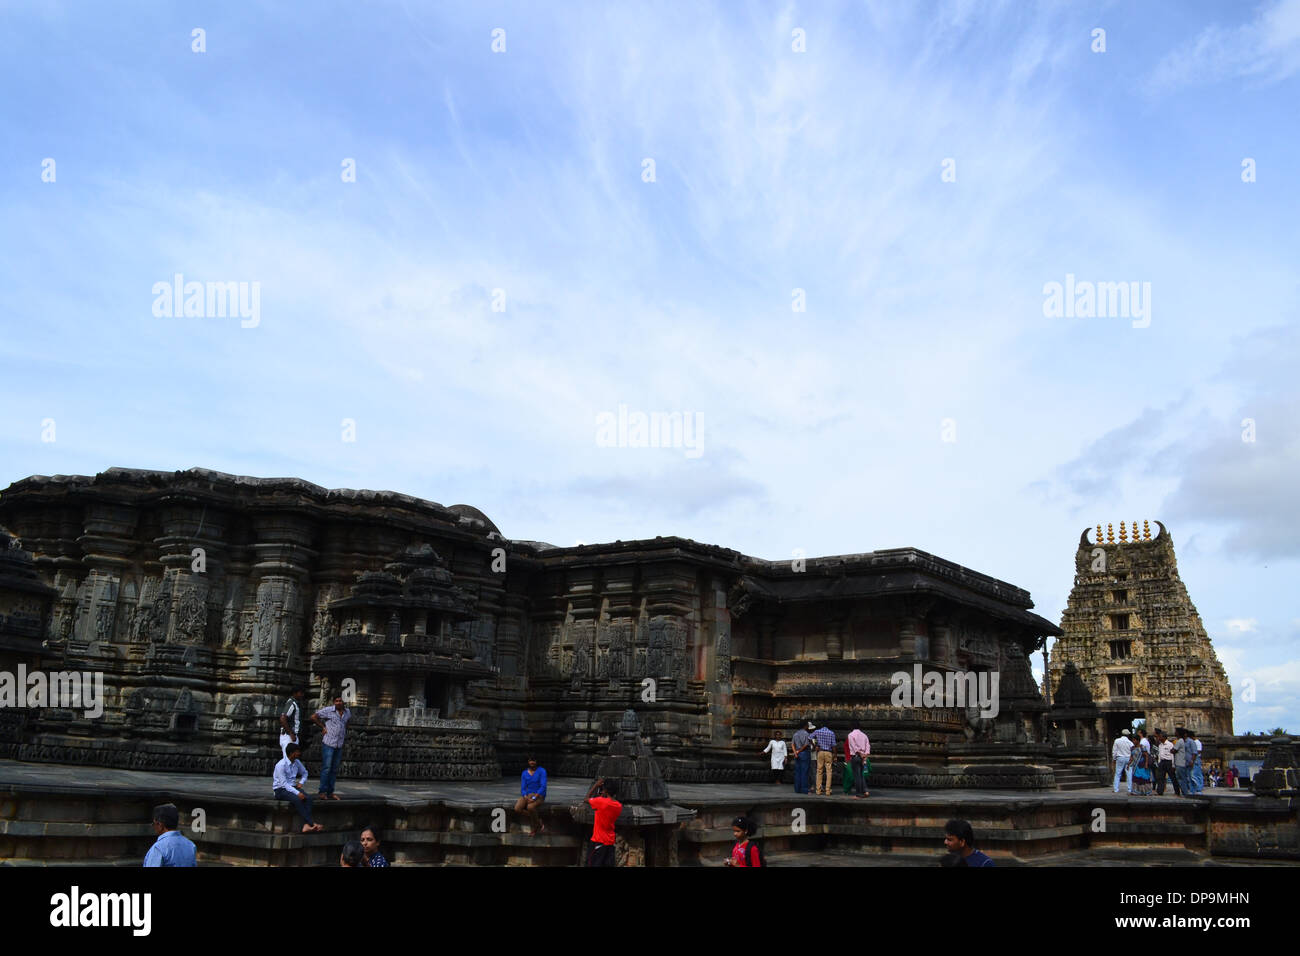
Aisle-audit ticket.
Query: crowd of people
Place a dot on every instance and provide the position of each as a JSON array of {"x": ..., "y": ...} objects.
[
  {"x": 812, "y": 743},
  {"x": 1150, "y": 764}
]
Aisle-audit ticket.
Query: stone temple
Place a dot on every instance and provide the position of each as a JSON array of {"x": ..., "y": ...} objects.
[
  {"x": 203, "y": 598},
  {"x": 1134, "y": 644}
]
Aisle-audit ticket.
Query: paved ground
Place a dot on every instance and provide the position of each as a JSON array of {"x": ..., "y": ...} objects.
[{"x": 74, "y": 779}]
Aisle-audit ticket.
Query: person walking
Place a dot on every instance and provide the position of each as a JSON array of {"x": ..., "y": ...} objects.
[
  {"x": 824, "y": 737},
  {"x": 334, "y": 722},
  {"x": 287, "y": 781},
  {"x": 777, "y": 748},
  {"x": 859, "y": 752},
  {"x": 532, "y": 794},
  {"x": 1196, "y": 771},
  {"x": 1120, "y": 752},
  {"x": 171, "y": 848},
  {"x": 601, "y": 848},
  {"x": 803, "y": 751}
]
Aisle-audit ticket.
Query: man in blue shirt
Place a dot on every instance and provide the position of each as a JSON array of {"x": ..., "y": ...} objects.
[
  {"x": 532, "y": 793},
  {"x": 959, "y": 838},
  {"x": 824, "y": 739},
  {"x": 170, "y": 849}
]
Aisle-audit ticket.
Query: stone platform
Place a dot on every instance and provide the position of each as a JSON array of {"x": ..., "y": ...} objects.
[{"x": 58, "y": 814}]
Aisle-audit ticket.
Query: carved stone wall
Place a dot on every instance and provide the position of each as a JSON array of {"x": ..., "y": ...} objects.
[{"x": 204, "y": 598}]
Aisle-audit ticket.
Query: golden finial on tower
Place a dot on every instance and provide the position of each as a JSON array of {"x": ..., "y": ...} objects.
[
  {"x": 1110, "y": 533},
  {"x": 1099, "y": 538},
  {"x": 1135, "y": 532},
  {"x": 1123, "y": 535},
  {"x": 1146, "y": 530}
]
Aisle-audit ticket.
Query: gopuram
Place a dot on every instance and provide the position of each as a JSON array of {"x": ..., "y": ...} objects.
[
  {"x": 204, "y": 598},
  {"x": 1134, "y": 641}
]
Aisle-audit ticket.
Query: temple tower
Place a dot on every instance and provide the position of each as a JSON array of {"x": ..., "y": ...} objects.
[{"x": 1135, "y": 637}]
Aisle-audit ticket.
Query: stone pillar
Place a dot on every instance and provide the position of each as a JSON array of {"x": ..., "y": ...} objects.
[
  {"x": 836, "y": 631},
  {"x": 767, "y": 636}
]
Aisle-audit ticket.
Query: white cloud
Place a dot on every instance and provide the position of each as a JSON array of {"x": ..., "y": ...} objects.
[{"x": 1266, "y": 49}]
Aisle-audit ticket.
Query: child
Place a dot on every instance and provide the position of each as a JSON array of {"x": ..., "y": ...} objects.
[
  {"x": 776, "y": 747},
  {"x": 745, "y": 851}
]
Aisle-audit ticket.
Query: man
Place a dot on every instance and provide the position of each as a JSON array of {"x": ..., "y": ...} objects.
[
  {"x": 959, "y": 839},
  {"x": 1165, "y": 756},
  {"x": 370, "y": 846},
  {"x": 171, "y": 848},
  {"x": 532, "y": 794},
  {"x": 859, "y": 751},
  {"x": 607, "y": 807},
  {"x": 1196, "y": 771},
  {"x": 1120, "y": 752},
  {"x": 1184, "y": 787},
  {"x": 776, "y": 747},
  {"x": 335, "y": 725},
  {"x": 824, "y": 738},
  {"x": 803, "y": 747},
  {"x": 290, "y": 718},
  {"x": 287, "y": 781}
]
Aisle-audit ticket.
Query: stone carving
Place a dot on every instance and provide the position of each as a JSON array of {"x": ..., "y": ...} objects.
[
  {"x": 595, "y": 620},
  {"x": 1136, "y": 639},
  {"x": 191, "y": 616}
]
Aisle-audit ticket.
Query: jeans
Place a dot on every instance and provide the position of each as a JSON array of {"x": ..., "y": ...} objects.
[
  {"x": 1198, "y": 776},
  {"x": 1120, "y": 764},
  {"x": 1184, "y": 781},
  {"x": 330, "y": 759},
  {"x": 303, "y": 806},
  {"x": 859, "y": 784},
  {"x": 802, "y": 771}
]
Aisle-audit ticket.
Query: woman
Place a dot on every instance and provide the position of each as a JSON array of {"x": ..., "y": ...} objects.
[
  {"x": 370, "y": 845},
  {"x": 1142, "y": 772},
  {"x": 352, "y": 854}
]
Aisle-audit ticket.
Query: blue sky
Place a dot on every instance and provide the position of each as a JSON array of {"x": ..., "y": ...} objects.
[{"x": 775, "y": 170}]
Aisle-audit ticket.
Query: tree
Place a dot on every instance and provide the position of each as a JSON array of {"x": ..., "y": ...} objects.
[{"x": 1278, "y": 732}]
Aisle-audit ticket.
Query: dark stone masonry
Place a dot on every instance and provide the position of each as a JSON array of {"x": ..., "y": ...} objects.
[{"x": 203, "y": 598}]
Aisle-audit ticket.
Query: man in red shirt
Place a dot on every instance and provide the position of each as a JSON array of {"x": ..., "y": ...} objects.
[{"x": 607, "y": 807}]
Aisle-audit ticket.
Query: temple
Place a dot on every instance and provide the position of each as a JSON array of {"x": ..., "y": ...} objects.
[
  {"x": 1134, "y": 646},
  {"x": 203, "y": 598}
]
